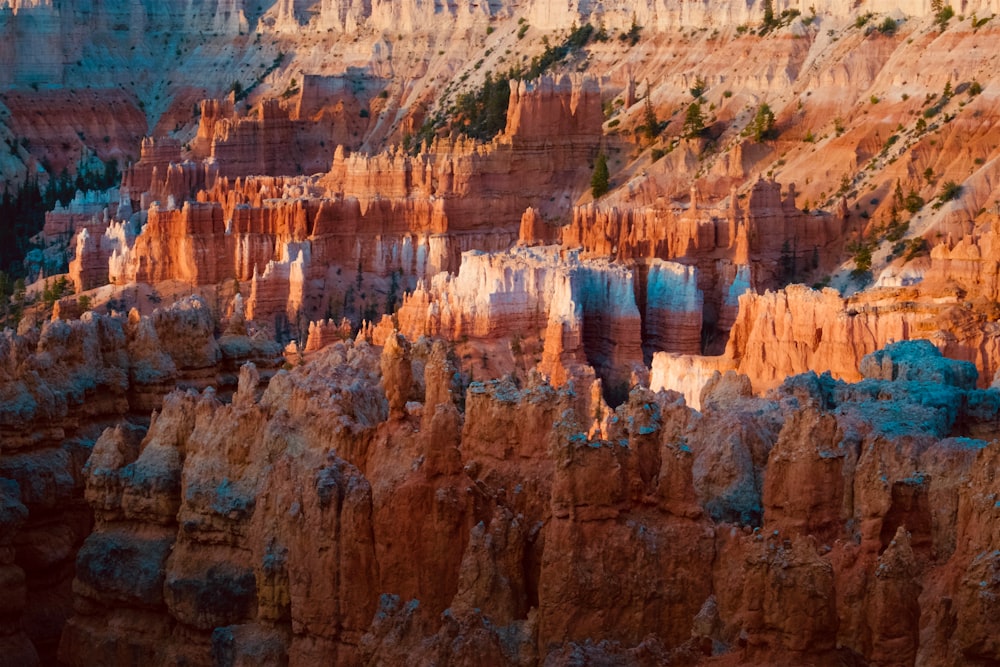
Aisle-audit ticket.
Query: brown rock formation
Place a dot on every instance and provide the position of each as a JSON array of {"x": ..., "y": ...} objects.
[
  {"x": 379, "y": 507},
  {"x": 155, "y": 157},
  {"x": 326, "y": 332},
  {"x": 75, "y": 378},
  {"x": 268, "y": 143},
  {"x": 525, "y": 540},
  {"x": 735, "y": 246},
  {"x": 782, "y": 333},
  {"x": 396, "y": 216},
  {"x": 586, "y": 310}
]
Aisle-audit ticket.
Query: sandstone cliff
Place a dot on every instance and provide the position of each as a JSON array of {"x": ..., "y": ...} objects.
[{"x": 393, "y": 217}]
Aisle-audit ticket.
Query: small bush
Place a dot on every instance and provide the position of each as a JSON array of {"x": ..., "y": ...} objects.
[
  {"x": 861, "y": 253},
  {"x": 632, "y": 36},
  {"x": 913, "y": 202},
  {"x": 896, "y": 231},
  {"x": 942, "y": 13},
  {"x": 888, "y": 26},
  {"x": 950, "y": 190},
  {"x": 916, "y": 247}
]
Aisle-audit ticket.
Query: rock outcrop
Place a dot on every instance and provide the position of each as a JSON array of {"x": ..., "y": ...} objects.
[
  {"x": 266, "y": 142},
  {"x": 394, "y": 216},
  {"x": 585, "y": 310},
  {"x": 60, "y": 388},
  {"x": 668, "y": 534},
  {"x": 735, "y": 246},
  {"x": 783, "y": 333}
]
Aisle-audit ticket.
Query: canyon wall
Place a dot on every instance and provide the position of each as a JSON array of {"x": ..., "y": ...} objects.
[
  {"x": 378, "y": 506},
  {"x": 666, "y": 535},
  {"x": 585, "y": 311},
  {"x": 390, "y": 219},
  {"x": 77, "y": 378}
]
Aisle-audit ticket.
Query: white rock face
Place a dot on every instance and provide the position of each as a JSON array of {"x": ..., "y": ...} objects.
[
  {"x": 45, "y": 36},
  {"x": 496, "y": 294},
  {"x": 685, "y": 373},
  {"x": 674, "y": 307},
  {"x": 671, "y": 15},
  {"x": 739, "y": 286}
]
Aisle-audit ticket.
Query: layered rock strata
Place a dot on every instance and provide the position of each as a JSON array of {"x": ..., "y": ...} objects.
[
  {"x": 302, "y": 241},
  {"x": 758, "y": 244},
  {"x": 783, "y": 333}
]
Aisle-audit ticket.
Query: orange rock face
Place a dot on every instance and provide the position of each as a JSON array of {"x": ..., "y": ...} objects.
[
  {"x": 395, "y": 218},
  {"x": 782, "y": 333},
  {"x": 831, "y": 522},
  {"x": 55, "y": 125},
  {"x": 734, "y": 246},
  {"x": 269, "y": 143}
]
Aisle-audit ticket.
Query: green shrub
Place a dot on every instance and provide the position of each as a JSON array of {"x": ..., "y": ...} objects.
[
  {"x": 942, "y": 13},
  {"x": 950, "y": 190},
  {"x": 888, "y": 26},
  {"x": 913, "y": 202}
]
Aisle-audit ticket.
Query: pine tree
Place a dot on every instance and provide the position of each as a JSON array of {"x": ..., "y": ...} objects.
[
  {"x": 694, "y": 122},
  {"x": 698, "y": 88},
  {"x": 651, "y": 126},
  {"x": 763, "y": 123},
  {"x": 600, "y": 182},
  {"x": 769, "y": 21}
]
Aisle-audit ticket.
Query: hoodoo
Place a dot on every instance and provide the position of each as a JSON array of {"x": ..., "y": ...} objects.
[{"x": 500, "y": 333}]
